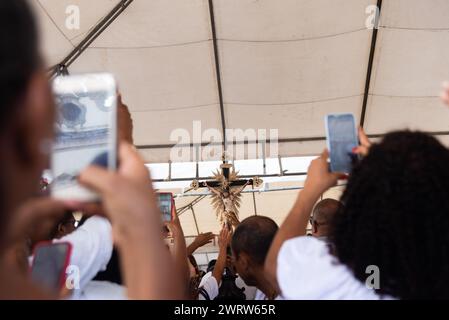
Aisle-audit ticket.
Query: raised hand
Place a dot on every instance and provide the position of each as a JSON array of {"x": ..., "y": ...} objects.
[
  {"x": 319, "y": 179},
  {"x": 365, "y": 143}
]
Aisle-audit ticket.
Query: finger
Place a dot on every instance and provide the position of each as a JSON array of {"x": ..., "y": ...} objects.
[
  {"x": 210, "y": 237},
  {"x": 39, "y": 209},
  {"x": 132, "y": 165},
  {"x": 364, "y": 140},
  {"x": 325, "y": 154},
  {"x": 34, "y": 211},
  {"x": 97, "y": 179},
  {"x": 360, "y": 150}
]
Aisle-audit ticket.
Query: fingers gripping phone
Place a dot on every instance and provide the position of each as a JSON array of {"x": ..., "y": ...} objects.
[
  {"x": 341, "y": 133},
  {"x": 166, "y": 203},
  {"x": 50, "y": 262},
  {"x": 86, "y": 132}
]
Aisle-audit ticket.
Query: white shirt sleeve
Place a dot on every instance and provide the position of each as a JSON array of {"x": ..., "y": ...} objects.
[
  {"x": 210, "y": 285},
  {"x": 91, "y": 249},
  {"x": 103, "y": 290},
  {"x": 306, "y": 270}
]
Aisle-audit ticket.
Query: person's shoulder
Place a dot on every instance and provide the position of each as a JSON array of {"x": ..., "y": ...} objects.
[
  {"x": 307, "y": 270},
  {"x": 210, "y": 286},
  {"x": 305, "y": 245}
]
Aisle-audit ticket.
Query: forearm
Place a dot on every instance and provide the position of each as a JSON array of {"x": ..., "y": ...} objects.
[
  {"x": 192, "y": 248},
  {"x": 219, "y": 266},
  {"x": 149, "y": 270},
  {"x": 295, "y": 225},
  {"x": 180, "y": 257}
]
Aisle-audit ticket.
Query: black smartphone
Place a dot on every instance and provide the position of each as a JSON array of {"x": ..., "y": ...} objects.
[{"x": 341, "y": 133}]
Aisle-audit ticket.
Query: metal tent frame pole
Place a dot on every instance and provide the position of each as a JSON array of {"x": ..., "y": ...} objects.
[
  {"x": 288, "y": 140},
  {"x": 218, "y": 74},
  {"x": 92, "y": 35},
  {"x": 370, "y": 64}
]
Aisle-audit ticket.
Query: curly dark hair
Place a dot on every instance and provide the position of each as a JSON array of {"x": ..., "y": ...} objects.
[{"x": 396, "y": 216}]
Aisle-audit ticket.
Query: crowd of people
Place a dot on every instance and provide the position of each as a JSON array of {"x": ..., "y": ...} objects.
[{"x": 392, "y": 217}]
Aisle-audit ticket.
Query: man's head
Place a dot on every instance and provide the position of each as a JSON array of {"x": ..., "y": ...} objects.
[
  {"x": 66, "y": 226},
  {"x": 26, "y": 106},
  {"x": 322, "y": 216},
  {"x": 250, "y": 244}
]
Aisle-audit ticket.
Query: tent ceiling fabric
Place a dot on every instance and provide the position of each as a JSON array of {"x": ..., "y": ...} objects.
[
  {"x": 284, "y": 64},
  {"x": 58, "y": 40},
  {"x": 409, "y": 67}
]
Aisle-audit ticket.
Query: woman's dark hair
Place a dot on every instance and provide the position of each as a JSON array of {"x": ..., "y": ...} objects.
[
  {"x": 396, "y": 217},
  {"x": 19, "y": 57}
]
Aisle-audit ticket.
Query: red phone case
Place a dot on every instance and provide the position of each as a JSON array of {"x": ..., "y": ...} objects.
[
  {"x": 62, "y": 276},
  {"x": 173, "y": 209}
]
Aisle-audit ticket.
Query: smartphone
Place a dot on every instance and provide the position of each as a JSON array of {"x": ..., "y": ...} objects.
[
  {"x": 166, "y": 203},
  {"x": 342, "y": 138},
  {"x": 86, "y": 132},
  {"x": 50, "y": 262}
]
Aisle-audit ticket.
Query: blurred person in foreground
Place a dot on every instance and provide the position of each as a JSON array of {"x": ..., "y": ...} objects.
[
  {"x": 390, "y": 238},
  {"x": 26, "y": 131}
]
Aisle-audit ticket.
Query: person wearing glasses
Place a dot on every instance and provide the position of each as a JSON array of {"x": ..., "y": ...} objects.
[{"x": 321, "y": 218}]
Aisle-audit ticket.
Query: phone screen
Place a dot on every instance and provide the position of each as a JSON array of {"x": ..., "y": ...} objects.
[
  {"x": 49, "y": 264},
  {"x": 85, "y": 131},
  {"x": 341, "y": 139},
  {"x": 166, "y": 206}
]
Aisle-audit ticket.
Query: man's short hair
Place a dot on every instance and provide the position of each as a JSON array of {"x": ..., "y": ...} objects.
[
  {"x": 325, "y": 210},
  {"x": 254, "y": 236}
]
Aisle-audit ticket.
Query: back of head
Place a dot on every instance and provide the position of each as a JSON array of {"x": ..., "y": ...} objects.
[
  {"x": 396, "y": 217},
  {"x": 323, "y": 214},
  {"x": 253, "y": 236}
]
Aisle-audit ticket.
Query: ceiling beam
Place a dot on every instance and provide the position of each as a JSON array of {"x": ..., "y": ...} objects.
[
  {"x": 218, "y": 73},
  {"x": 91, "y": 36},
  {"x": 287, "y": 140},
  {"x": 370, "y": 64}
]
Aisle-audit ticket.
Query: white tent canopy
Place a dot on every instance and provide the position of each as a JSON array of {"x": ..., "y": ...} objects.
[
  {"x": 266, "y": 64},
  {"x": 281, "y": 64}
]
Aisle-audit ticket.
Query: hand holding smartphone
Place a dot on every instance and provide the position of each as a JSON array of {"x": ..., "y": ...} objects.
[
  {"x": 86, "y": 132},
  {"x": 342, "y": 138}
]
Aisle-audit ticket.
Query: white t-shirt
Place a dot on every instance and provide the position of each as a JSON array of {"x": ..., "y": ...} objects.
[
  {"x": 210, "y": 285},
  {"x": 91, "y": 251},
  {"x": 260, "y": 296},
  {"x": 250, "y": 292},
  {"x": 103, "y": 290},
  {"x": 307, "y": 271}
]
